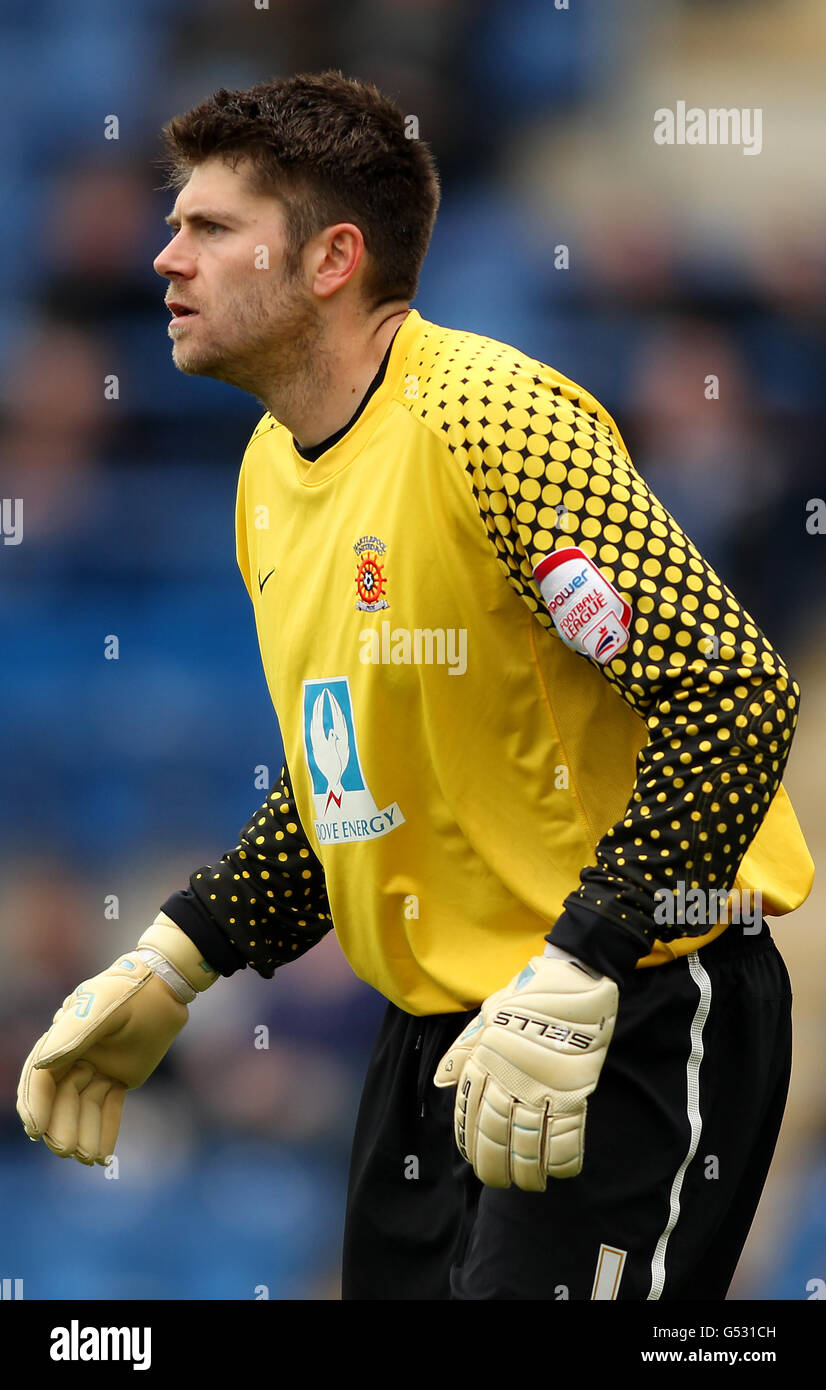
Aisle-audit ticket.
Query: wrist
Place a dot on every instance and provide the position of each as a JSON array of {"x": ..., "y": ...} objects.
[
  {"x": 174, "y": 956},
  {"x": 554, "y": 952},
  {"x": 598, "y": 941}
]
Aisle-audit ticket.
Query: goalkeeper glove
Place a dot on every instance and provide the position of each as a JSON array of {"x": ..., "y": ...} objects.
[
  {"x": 107, "y": 1038},
  {"x": 523, "y": 1068}
]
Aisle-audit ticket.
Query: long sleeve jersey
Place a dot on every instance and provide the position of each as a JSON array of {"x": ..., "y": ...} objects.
[{"x": 516, "y": 702}]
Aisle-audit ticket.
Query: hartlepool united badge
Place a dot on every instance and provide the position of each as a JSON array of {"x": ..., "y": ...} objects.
[{"x": 371, "y": 582}]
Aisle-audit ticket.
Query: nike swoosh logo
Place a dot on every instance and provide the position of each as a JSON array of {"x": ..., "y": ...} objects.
[{"x": 262, "y": 582}]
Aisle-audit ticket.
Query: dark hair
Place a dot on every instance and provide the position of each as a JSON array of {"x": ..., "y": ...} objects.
[{"x": 333, "y": 149}]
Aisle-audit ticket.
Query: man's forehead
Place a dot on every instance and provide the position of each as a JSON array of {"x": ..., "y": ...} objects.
[{"x": 216, "y": 180}]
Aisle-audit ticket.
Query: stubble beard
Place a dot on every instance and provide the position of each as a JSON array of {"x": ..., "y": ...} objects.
[{"x": 275, "y": 351}]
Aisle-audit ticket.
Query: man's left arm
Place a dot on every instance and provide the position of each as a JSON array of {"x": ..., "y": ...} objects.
[
  {"x": 608, "y": 570},
  {"x": 579, "y": 532}
]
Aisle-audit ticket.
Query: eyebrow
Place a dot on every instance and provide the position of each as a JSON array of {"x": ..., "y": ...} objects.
[{"x": 200, "y": 218}]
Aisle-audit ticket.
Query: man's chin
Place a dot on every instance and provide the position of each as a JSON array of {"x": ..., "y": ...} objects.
[{"x": 199, "y": 363}]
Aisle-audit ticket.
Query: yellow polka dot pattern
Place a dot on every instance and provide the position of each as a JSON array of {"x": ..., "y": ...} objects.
[
  {"x": 548, "y": 469},
  {"x": 268, "y": 895}
]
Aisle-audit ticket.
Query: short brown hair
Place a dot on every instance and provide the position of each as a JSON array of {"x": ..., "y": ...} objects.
[{"x": 333, "y": 149}]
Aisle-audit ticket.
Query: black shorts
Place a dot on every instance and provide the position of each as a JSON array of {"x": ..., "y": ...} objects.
[{"x": 678, "y": 1140}]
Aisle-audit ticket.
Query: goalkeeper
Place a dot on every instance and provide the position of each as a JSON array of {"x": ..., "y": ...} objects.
[{"x": 534, "y": 751}]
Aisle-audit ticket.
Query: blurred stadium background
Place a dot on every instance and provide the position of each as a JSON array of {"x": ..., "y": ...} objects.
[{"x": 120, "y": 777}]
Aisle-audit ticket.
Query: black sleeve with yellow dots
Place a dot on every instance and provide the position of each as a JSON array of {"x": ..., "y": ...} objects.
[
  {"x": 265, "y": 902},
  {"x": 549, "y": 469}
]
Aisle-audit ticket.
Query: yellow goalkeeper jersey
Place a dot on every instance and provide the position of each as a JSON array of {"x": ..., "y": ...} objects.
[
  {"x": 504, "y": 678},
  {"x": 503, "y": 675}
]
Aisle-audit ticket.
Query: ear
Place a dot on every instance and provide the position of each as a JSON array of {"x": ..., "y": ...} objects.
[{"x": 335, "y": 257}]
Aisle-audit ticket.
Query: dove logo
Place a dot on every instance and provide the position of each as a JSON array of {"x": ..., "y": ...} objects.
[{"x": 345, "y": 810}]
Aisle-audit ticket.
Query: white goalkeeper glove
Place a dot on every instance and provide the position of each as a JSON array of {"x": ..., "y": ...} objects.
[
  {"x": 107, "y": 1038},
  {"x": 523, "y": 1069}
]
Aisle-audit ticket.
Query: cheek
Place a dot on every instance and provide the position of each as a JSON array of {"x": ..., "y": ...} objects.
[{"x": 247, "y": 290}]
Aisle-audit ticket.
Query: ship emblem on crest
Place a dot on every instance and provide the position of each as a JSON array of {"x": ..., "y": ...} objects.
[{"x": 371, "y": 581}]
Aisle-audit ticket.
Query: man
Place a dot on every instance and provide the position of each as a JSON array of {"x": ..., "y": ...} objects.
[{"x": 535, "y": 751}]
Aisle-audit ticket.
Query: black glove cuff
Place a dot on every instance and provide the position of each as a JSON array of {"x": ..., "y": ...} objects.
[
  {"x": 598, "y": 941},
  {"x": 188, "y": 913}
]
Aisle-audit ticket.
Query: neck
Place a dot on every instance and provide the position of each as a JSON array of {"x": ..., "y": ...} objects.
[{"x": 334, "y": 376}]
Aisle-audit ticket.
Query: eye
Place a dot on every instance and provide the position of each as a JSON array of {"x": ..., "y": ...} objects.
[{"x": 210, "y": 226}]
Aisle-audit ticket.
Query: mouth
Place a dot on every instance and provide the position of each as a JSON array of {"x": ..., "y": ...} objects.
[{"x": 180, "y": 312}]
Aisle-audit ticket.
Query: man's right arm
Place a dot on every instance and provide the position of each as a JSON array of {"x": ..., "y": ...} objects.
[{"x": 265, "y": 902}]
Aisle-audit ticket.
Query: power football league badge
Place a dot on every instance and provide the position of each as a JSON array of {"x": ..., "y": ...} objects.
[
  {"x": 371, "y": 583},
  {"x": 588, "y": 613}
]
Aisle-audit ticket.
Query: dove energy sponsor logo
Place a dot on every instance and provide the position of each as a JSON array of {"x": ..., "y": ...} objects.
[
  {"x": 345, "y": 810},
  {"x": 588, "y": 613}
]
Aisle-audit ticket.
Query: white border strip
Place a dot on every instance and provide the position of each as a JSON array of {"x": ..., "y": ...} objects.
[
  {"x": 703, "y": 983},
  {"x": 610, "y": 1265}
]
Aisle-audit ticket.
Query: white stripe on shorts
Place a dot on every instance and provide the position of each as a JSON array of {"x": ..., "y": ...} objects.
[{"x": 703, "y": 983}]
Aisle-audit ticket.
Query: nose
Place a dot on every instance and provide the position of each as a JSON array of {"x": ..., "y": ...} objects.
[{"x": 174, "y": 260}]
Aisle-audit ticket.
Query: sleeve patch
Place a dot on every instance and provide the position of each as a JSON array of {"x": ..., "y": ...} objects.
[{"x": 587, "y": 612}]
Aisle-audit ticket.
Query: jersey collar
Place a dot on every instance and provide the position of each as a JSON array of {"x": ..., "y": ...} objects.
[{"x": 345, "y": 449}]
